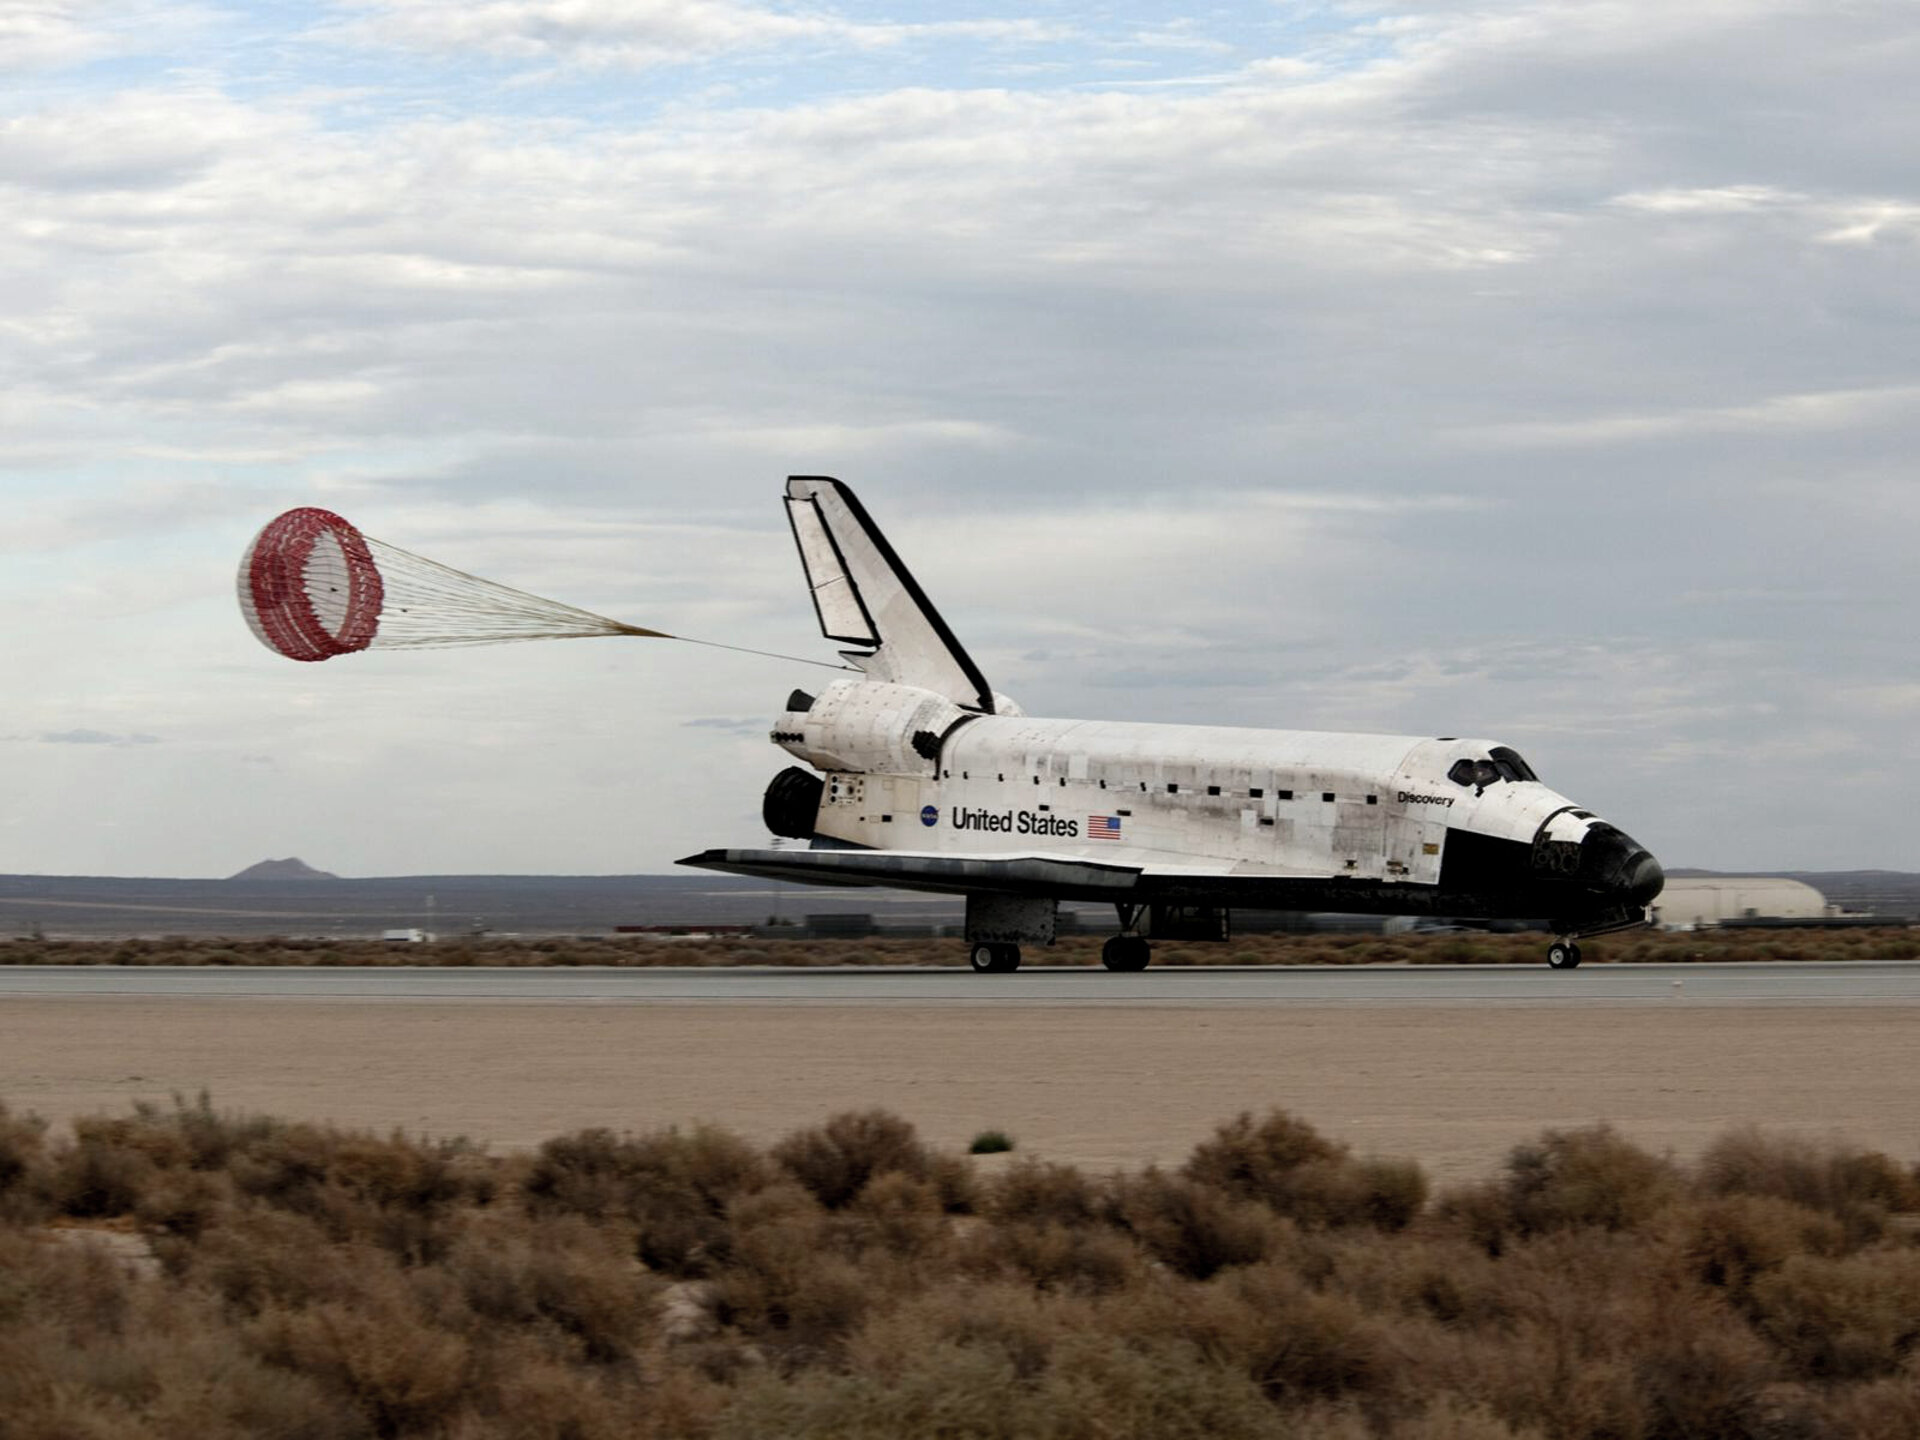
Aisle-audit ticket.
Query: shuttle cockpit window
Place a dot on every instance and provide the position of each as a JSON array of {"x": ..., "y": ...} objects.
[
  {"x": 1501, "y": 763},
  {"x": 1512, "y": 767}
]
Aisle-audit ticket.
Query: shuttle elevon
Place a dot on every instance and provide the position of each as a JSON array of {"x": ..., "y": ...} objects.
[{"x": 918, "y": 775}]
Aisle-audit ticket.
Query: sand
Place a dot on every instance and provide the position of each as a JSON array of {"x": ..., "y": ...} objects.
[{"x": 1102, "y": 1086}]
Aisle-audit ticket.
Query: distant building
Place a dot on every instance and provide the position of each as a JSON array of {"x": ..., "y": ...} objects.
[{"x": 1692, "y": 902}]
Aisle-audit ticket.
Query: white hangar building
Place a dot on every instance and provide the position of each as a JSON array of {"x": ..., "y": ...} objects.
[{"x": 1688, "y": 902}]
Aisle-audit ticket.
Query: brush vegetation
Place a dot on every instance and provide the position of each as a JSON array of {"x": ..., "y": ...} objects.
[
  {"x": 1634, "y": 947},
  {"x": 184, "y": 1272}
]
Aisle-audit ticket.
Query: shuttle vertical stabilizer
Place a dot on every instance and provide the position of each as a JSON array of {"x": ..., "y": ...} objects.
[{"x": 867, "y": 599}]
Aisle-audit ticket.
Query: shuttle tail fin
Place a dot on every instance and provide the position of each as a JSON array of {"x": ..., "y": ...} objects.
[{"x": 866, "y": 598}]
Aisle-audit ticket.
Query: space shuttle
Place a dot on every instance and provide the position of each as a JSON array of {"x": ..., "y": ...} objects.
[{"x": 916, "y": 774}]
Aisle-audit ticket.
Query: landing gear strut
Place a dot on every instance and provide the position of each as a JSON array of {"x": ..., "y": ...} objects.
[
  {"x": 994, "y": 959},
  {"x": 1126, "y": 951},
  {"x": 1564, "y": 955}
]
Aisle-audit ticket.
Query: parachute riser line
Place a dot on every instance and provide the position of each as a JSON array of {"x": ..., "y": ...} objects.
[{"x": 312, "y": 587}]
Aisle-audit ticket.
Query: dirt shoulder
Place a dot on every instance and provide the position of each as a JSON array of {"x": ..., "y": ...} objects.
[{"x": 1098, "y": 1086}]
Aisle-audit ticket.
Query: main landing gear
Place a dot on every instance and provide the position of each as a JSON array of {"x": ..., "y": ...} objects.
[
  {"x": 994, "y": 959},
  {"x": 1564, "y": 955},
  {"x": 1126, "y": 951}
]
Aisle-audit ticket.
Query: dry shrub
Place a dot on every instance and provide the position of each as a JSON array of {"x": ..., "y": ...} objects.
[
  {"x": 1852, "y": 1318},
  {"x": 1254, "y": 1159},
  {"x": 953, "y": 1392},
  {"x": 784, "y": 1283},
  {"x": 574, "y": 1286},
  {"x": 835, "y": 1160},
  {"x": 313, "y": 1169},
  {"x": 540, "y": 1399},
  {"x": 1456, "y": 1419},
  {"x": 1042, "y": 1191},
  {"x": 1437, "y": 1277},
  {"x": 259, "y": 1258},
  {"x": 89, "y": 1350},
  {"x": 1599, "y": 1334},
  {"x": 1588, "y": 1177},
  {"x": 22, "y": 1148},
  {"x": 1567, "y": 1179},
  {"x": 1288, "y": 1166},
  {"x": 1098, "y": 1390},
  {"x": 1193, "y": 1229},
  {"x": 999, "y": 1361},
  {"x": 1478, "y": 1212},
  {"x": 1099, "y": 1386},
  {"x": 1019, "y": 1328},
  {"x": 673, "y": 1186},
  {"x": 98, "y": 1174},
  {"x": 73, "y": 1291},
  {"x": 1265, "y": 1323},
  {"x": 380, "y": 1354},
  {"x": 531, "y": 1396},
  {"x": 326, "y": 1285},
  {"x": 1089, "y": 1260},
  {"x": 900, "y": 1215},
  {"x": 1880, "y": 1410},
  {"x": 806, "y": 1306},
  {"x": 184, "y": 1204},
  {"x": 1858, "y": 1188},
  {"x": 1707, "y": 1376},
  {"x": 1731, "y": 1240}
]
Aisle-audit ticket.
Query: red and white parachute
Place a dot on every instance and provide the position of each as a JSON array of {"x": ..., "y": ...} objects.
[{"x": 313, "y": 587}]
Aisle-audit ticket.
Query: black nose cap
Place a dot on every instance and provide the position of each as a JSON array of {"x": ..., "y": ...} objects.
[
  {"x": 1645, "y": 879},
  {"x": 1613, "y": 862}
]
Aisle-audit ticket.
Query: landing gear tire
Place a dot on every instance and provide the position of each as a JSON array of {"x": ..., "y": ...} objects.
[
  {"x": 1126, "y": 953},
  {"x": 1563, "y": 955},
  {"x": 994, "y": 959}
]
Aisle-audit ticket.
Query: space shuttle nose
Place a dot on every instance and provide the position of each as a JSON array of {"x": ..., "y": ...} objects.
[
  {"x": 1618, "y": 864},
  {"x": 1645, "y": 879}
]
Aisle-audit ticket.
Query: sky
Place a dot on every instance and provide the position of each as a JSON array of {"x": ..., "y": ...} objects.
[{"x": 1541, "y": 371}]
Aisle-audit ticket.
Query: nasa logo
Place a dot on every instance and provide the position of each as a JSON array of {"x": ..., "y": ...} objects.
[{"x": 929, "y": 815}]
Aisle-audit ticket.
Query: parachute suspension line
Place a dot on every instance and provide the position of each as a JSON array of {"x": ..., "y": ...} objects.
[
  {"x": 433, "y": 605},
  {"x": 768, "y": 654},
  {"x": 313, "y": 587}
]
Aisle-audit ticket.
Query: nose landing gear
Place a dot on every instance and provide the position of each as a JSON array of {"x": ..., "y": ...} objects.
[{"x": 1564, "y": 955}]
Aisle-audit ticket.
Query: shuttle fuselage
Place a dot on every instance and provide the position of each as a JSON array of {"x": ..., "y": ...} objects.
[{"x": 920, "y": 776}]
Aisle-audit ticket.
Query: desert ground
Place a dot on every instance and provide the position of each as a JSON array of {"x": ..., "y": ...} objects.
[{"x": 1454, "y": 1089}]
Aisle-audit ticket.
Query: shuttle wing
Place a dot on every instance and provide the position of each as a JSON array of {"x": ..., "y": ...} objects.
[
  {"x": 866, "y": 598},
  {"x": 909, "y": 870},
  {"x": 1063, "y": 877}
]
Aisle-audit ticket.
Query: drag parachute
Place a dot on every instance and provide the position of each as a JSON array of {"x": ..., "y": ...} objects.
[{"x": 313, "y": 587}]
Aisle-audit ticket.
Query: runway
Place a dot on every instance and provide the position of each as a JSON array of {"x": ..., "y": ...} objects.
[
  {"x": 1892, "y": 982},
  {"x": 1451, "y": 1066}
]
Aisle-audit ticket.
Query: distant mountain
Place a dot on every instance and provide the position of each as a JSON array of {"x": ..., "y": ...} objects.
[{"x": 288, "y": 869}]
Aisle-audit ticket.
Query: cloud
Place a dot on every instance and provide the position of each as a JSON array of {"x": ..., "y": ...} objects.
[
  {"x": 96, "y": 737},
  {"x": 1774, "y": 414},
  {"x": 39, "y": 35},
  {"x": 630, "y": 35},
  {"x": 1528, "y": 369}
]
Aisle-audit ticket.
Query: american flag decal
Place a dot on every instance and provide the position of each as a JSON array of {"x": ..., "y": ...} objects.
[{"x": 1103, "y": 827}]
